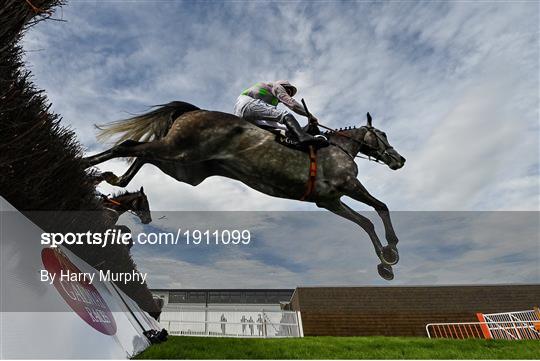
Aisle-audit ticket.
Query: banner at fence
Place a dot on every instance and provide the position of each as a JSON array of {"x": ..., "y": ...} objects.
[{"x": 60, "y": 319}]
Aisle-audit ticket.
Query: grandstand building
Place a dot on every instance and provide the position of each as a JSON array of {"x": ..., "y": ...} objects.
[{"x": 228, "y": 312}]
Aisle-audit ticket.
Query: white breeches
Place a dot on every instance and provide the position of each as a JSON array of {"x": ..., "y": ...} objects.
[{"x": 255, "y": 109}]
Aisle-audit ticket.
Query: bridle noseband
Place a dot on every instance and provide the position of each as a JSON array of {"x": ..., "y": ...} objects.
[{"x": 106, "y": 199}]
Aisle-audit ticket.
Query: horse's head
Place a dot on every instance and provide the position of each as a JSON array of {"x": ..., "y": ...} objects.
[
  {"x": 135, "y": 202},
  {"x": 377, "y": 146},
  {"x": 141, "y": 206}
]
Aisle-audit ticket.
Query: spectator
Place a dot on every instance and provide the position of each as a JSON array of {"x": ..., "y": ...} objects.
[
  {"x": 251, "y": 324},
  {"x": 244, "y": 321},
  {"x": 260, "y": 325},
  {"x": 223, "y": 322}
]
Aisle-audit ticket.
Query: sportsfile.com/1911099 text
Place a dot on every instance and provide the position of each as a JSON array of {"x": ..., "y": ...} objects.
[{"x": 180, "y": 237}]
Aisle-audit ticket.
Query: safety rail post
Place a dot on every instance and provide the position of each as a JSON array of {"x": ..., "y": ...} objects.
[{"x": 483, "y": 326}]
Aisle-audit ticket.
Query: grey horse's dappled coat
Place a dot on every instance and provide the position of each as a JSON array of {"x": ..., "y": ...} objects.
[{"x": 201, "y": 143}]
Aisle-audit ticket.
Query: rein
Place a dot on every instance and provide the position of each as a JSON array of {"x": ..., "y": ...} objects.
[
  {"x": 106, "y": 199},
  {"x": 337, "y": 132}
]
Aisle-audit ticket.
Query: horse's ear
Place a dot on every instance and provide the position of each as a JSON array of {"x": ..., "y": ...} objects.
[
  {"x": 369, "y": 120},
  {"x": 142, "y": 190}
]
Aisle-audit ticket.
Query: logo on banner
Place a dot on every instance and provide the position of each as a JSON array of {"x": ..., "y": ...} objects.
[{"x": 81, "y": 295}]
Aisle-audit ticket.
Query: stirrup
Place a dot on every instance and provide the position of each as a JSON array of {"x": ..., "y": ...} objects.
[{"x": 319, "y": 141}]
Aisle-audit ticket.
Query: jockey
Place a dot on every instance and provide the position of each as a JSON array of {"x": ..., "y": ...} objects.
[{"x": 260, "y": 101}]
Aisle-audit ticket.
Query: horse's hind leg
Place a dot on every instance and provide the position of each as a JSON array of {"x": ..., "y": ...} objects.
[
  {"x": 97, "y": 158},
  {"x": 108, "y": 154},
  {"x": 341, "y": 209},
  {"x": 130, "y": 148},
  {"x": 124, "y": 179}
]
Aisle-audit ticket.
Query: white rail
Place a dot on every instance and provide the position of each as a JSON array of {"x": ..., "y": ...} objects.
[
  {"x": 226, "y": 323},
  {"x": 517, "y": 324},
  {"x": 231, "y": 329},
  {"x": 496, "y": 330}
]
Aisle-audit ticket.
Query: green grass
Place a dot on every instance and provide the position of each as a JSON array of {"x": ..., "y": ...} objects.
[{"x": 340, "y": 348}]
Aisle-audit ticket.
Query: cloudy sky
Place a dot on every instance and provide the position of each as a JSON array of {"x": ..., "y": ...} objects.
[{"x": 455, "y": 86}]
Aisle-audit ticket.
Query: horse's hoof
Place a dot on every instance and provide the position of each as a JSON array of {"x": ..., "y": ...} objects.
[
  {"x": 86, "y": 162},
  {"x": 385, "y": 271},
  {"x": 390, "y": 255},
  {"x": 110, "y": 178}
]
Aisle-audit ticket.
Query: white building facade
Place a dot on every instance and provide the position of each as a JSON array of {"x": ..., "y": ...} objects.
[{"x": 229, "y": 312}]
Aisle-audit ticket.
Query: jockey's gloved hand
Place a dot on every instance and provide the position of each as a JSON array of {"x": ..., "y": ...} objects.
[{"x": 313, "y": 120}]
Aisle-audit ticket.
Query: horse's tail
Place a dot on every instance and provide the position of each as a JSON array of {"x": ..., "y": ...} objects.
[{"x": 145, "y": 127}]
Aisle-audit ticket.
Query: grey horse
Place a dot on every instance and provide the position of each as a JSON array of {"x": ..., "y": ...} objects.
[{"x": 191, "y": 144}]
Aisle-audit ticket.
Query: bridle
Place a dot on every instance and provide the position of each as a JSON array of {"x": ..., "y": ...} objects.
[
  {"x": 377, "y": 151},
  {"x": 106, "y": 199}
]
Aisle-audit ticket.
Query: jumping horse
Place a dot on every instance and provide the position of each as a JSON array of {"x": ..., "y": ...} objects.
[{"x": 191, "y": 144}]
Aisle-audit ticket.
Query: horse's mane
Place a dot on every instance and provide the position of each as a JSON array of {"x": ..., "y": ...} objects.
[
  {"x": 330, "y": 132},
  {"x": 121, "y": 193}
]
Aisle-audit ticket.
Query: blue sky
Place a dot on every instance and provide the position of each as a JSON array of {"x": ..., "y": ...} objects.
[{"x": 454, "y": 85}]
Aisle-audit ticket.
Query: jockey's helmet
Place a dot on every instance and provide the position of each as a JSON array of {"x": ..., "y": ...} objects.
[{"x": 291, "y": 89}]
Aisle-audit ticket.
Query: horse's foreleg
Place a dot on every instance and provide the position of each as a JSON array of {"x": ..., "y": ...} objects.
[
  {"x": 341, "y": 209},
  {"x": 358, "y": 192},
  {"x": 124, "y": 179}
]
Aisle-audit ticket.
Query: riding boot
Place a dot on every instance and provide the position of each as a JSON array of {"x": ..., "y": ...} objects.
[{"x": 303, "y": 138}]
